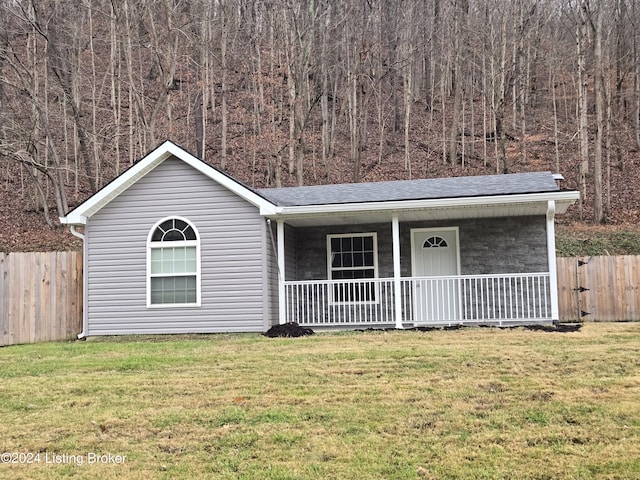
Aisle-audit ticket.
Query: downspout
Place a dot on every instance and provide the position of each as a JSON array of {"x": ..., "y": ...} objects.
[
  {"x": 551, "y": 257},
  {"x": 75, "y": 233}
]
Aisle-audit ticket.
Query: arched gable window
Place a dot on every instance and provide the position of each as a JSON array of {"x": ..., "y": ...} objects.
[{"x": 173, "y": 264}]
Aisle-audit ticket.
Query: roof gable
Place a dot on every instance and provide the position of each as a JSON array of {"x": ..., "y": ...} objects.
[{"x": 88, "y": 208}]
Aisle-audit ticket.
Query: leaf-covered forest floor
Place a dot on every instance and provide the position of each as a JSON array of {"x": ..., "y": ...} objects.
[{"x": 23, "y": 226}]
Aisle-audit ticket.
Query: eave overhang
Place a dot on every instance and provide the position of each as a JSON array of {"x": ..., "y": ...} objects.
[{"x": 424, "y": 210}]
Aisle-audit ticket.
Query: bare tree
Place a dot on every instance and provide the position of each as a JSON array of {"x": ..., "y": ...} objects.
[
  {"x": 596, "y": 26},
  {"x": 28, "y": 136},
  {"x": 460, "y": 13},
  {"x": 583, "y": 103},
  {"x": 262, "y": 88}
]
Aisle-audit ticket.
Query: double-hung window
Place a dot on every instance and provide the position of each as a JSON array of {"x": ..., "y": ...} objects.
[
  {"x": 173, "y": 264},
  {"x": 352, "y": 259}
]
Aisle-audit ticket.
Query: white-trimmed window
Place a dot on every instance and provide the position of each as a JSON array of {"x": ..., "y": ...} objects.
[
  {"x": 353, "y": 258},
  {"x": 173, "y": 264}
]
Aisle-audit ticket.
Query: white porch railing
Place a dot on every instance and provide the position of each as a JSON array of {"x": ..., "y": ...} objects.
[
  {"x": 340, "y": 302},
  {"x": 460, "y": 299}
]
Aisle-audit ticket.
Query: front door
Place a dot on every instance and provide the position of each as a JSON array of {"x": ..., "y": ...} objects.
[{"x": 435, "y": 260}]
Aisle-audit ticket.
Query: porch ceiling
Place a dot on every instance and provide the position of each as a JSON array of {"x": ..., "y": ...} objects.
[{"x": 423, "y": 214}]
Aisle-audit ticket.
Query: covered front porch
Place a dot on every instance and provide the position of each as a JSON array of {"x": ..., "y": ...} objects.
[{"x": 462, "y": 265}]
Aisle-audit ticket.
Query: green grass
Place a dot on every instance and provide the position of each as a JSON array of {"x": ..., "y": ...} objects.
[
  {"x": 472, "y": 403},
  {"x": 596, "y": 241}
]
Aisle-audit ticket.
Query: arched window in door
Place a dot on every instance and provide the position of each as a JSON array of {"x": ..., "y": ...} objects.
[{"x": 435, "y": 242}]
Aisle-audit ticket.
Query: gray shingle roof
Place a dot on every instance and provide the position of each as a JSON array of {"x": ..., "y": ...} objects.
[{"x": 431, "y": 188}]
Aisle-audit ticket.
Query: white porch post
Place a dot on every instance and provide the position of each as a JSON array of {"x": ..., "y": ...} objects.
[
  {"x": 282, "y": 302},
  {"x": 551, "y": 256},
  {"x": 397, "y": 288}
]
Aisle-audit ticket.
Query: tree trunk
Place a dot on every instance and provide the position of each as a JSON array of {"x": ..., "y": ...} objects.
[
  {"x": 581, "y": 39},
  {"x": 500, "y": 135},
  {"x": 600, "y": 111},
  {"x": 223, "y": 93}
]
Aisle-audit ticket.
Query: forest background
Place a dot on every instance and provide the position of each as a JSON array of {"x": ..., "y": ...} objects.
[{"x": 293, "y": 92}]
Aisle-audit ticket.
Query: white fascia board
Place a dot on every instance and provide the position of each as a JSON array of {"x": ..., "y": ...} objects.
[
  {"x": 79, "y": 215},
  {"x": 72, "y": 219},
  {"x": 565, "y": 198}
]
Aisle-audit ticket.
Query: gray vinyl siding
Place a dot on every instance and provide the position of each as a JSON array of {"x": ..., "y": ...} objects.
[{"x": 232, "y": 250}]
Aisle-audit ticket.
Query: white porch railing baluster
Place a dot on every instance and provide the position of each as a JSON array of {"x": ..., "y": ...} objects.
[{"x": 493, "y": 285}]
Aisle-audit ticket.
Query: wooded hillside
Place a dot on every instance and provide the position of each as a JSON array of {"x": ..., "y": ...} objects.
[{"x": 286, "y": 92}]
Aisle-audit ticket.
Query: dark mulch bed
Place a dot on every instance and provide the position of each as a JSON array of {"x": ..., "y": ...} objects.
[
  {"x": 294, "y": 330},
  {"x": 288, "y": 330},
  {"x": 560, "y": 327}
]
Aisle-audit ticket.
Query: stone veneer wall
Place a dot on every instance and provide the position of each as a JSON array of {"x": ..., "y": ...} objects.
[{"x": 487, "y": 245}]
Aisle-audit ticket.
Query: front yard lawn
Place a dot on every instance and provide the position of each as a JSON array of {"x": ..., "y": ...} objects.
[{"x": 471, "y": 403}]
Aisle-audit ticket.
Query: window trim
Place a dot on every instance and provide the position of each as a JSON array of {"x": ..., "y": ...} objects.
[
  {"x": 151, "y": 245},
  {"x": 330, "y": 268}
]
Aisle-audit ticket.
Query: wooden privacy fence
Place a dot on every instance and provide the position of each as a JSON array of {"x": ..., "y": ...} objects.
[
  {"x": 599, "y": 288},
  {"x": 40, "y": 296},
  {"x": 41, "y": 293}
]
